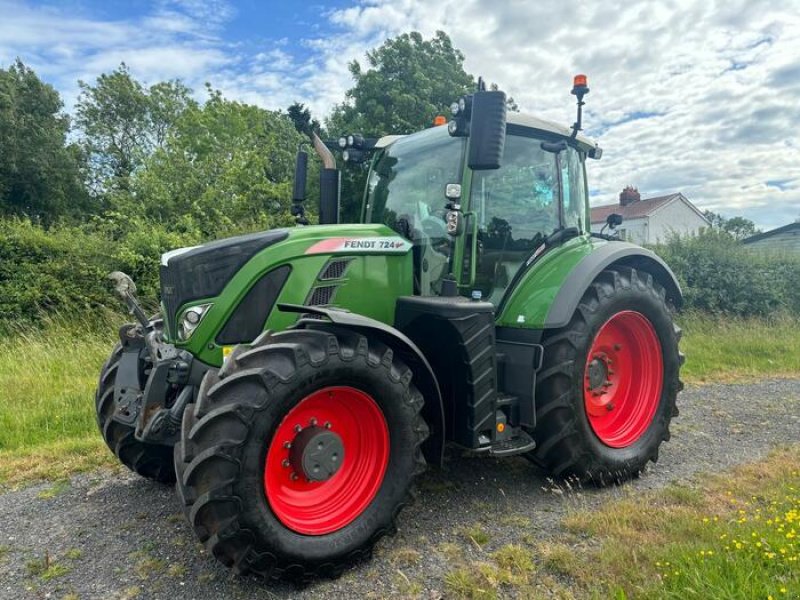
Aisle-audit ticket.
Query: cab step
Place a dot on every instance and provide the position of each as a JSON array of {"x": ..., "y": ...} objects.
[{"x": 519, "y": 444}]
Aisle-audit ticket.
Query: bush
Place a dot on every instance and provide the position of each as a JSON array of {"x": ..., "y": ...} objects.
[
  {"x": 720, "y": 276},
  {"x": 64, "y": 269}
]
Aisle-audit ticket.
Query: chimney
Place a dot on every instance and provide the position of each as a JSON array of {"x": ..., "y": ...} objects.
[{"x": 629, "y": 195}]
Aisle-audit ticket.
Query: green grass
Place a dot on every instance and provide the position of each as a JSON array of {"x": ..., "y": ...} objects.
[
  {"x": 736, "y": 538},
  {"x": 47, "y": 381},
  {"x": 736, "y": 349},
  {"x": 48, "y": 376}
]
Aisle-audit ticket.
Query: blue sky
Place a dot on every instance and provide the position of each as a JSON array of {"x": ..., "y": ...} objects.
[{"x": 697, "y": 96}]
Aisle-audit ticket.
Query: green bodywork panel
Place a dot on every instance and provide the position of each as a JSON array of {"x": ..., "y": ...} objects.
[
  {"x": 370, "y": 286},
  {"x": 529, "y": 302}
]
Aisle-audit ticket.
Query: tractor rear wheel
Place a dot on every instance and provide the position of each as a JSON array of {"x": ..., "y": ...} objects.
[
  {"x": 152, "y": 461},
  {"x": 300, "y": 452},
  {"x": 607, "y": 389}
]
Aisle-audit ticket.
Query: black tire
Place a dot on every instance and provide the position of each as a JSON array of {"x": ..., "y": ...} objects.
[
  {"x": 226, "y": 436},
  {"x": 567, "y": 445},
  {"x": 153, "y": 461}
]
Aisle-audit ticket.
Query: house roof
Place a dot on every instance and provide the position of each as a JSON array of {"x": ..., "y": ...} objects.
[
  {"x": 635, "y": 210},
  {"x": 766, "y": 234}
]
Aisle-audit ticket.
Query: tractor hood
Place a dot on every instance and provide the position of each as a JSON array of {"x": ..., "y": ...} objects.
[{"x": 234, "y": 285}]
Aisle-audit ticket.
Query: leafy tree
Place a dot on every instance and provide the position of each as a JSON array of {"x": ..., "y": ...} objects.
[
  {"x": 738, "y": 228},
  {"x": 225, "y": 167},
  {"x": 123, "y": 122},
  {"x": 408, "y": 82},
  {"x": 39, "y": 173},
  {"x": 301, "y": 117}
]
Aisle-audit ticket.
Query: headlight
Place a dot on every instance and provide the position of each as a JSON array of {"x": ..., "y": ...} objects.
[
  {"x": 343, "y": 142},
  {"x": 190, "y": 320}
]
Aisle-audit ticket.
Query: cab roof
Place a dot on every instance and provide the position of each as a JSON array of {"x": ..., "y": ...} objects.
[{"x": 522, "y": 120}]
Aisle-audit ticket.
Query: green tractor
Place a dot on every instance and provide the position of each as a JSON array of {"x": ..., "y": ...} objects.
[{"x": 298, "y": 380}]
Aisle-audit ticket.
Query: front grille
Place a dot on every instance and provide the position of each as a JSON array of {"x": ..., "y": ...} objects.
[
  {"x": 321, "y": 296},
  {"x": 203, "y": 272},
  {"x": 170, "y": 298}
]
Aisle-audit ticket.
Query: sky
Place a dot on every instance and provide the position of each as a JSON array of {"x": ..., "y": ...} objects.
[{"x": 691, "y": 96}]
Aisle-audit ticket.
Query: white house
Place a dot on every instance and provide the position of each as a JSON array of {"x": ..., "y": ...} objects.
[{"x": 651, "y": 220}]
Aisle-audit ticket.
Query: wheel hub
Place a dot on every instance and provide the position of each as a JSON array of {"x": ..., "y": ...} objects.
[
  {"x": 597, "y": 373},
  {"x": 316, "y": 453}
]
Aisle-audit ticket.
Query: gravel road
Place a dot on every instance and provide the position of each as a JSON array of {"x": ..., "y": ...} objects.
[{"x": 111, "y": 535}]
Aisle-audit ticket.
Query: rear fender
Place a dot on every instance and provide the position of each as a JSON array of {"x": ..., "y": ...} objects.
[
  {"x": 604, "y": 257},
  {"x": 424, "y": 377}
]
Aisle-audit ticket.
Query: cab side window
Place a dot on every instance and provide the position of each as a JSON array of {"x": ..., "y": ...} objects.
[{"x": 516, "y": 207}]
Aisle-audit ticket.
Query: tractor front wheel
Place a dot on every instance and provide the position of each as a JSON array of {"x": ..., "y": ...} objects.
[
  {"x": 608, "y": 385},
  {"x": 152, "y": 461},
  {"x": 300, "y": 452}
]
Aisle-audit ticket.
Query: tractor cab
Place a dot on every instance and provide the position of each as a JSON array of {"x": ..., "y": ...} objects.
[{"x": 538, "y": 189}]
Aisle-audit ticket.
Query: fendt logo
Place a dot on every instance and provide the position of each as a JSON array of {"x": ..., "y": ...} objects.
[{"x": 380, "y": 245}]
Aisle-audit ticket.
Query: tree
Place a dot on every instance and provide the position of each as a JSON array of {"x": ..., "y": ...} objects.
[
  {"x": 738, "y": 228},
  {"x": 225, "y": 167},
  {"x": 409, "y": 81},
  {"x": 40, "y": 174},
  {"x": 301, "y": 117},
  {"x": 123, "y": 122}
]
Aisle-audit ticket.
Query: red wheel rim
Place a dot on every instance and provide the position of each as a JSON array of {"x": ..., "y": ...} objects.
[
  {"x": 320, "y": 507},
  {"x": 623, "y": 379}
]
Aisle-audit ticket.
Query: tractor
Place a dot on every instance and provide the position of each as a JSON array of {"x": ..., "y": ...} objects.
[{"x": 298, "y": 380}]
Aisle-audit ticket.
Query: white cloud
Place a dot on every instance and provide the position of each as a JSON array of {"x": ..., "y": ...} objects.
[{"x": 690, "y": 95}]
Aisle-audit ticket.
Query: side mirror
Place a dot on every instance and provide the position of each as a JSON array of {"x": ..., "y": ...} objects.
[
  {"x": 614, "y": 220},
  {"x": 487, "y": 130},
  {"x": 300, "y": 174}
]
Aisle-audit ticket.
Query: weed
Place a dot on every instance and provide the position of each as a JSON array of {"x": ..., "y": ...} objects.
[
  {"x": 515, "y": 521},
  {"x": 147, "y": 566},
  {"x": 58, "y": 488},
  {"x": 468, "y": 584},
  {"x": 73, "y": 553},
  {"x": 177, "y": 571},
  {"x": 405, "y": 557},
  {"x": 477, "y": 534}
]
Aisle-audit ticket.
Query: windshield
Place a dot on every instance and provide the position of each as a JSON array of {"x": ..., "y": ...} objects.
[
  {"x": 405, "y": 191},
  {"x": 406, "y": 185}
]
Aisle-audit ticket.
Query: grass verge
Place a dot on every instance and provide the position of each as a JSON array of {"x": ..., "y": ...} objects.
[
  {"x": 735, "y": 349},
  {"x": 731, "y": 536},
  {"x": 47, "y": 381}
]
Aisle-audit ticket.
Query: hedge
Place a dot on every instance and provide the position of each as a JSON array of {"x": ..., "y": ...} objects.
[{"x": 64, "y": 269}]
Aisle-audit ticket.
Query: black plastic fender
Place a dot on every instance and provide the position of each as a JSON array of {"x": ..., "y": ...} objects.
[
  {"x": 424, "y": 377},
  {"x": 613, "y": 253}
]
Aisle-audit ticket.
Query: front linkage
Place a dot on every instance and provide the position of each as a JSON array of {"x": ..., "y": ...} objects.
[{"x": 154, "y": 380}]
